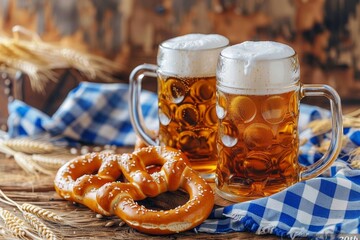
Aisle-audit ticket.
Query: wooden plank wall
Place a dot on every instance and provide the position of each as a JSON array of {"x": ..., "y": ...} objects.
[{"x": 326, "y": 34}]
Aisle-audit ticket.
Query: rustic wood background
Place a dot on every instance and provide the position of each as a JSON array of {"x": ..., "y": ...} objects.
[{"x": 326, "y": 34}]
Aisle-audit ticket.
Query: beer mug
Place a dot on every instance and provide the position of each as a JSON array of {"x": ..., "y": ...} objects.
[
  {"x": 186, "y": 79},
  {"x": 258, "y": 98}
]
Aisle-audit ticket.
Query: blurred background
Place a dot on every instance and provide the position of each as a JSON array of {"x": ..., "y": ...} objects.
[{"x": 325, "y": 33}]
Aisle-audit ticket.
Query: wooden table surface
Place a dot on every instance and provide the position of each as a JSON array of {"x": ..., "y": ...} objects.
[{"x": 82, "y": 222}]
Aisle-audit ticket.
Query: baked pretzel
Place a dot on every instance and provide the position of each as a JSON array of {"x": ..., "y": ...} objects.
[{"x": 78, "y": 181}]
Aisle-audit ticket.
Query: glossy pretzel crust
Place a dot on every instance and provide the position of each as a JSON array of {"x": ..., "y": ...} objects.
[{"x": 92, "y": 180}]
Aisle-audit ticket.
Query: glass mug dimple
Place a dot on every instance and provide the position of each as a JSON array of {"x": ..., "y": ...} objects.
[
  {"x": 258, "y": 99},
  {"x": 185, "y": 71}
]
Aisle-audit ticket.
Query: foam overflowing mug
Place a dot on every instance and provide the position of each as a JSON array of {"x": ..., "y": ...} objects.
[
  {"x": 258, "y": 96},
  {"x": 186, "y": 74}
]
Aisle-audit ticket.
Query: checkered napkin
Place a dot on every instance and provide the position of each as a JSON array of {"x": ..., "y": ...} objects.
[
  {"x": 92, "y": 113},
  {"x": 320, "y": 208}
]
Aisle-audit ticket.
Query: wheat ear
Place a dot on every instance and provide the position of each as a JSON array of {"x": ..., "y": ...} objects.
[
  {"x": 30, "y": 146},
  {"x": 52, "y": 161},
  {"x": 13, "y": 224},
  {"x": 355, "y": 164},
  {"x": 354, "y": 158},
  {"x": 30, "y": 213},
  {"x": 322, "y": 126},
  {"x": 41, "y": 213},
  {"x": 23, "y": 160},
  {"x": 39, "y": 226},
  {"x": 29, "y": 208}
]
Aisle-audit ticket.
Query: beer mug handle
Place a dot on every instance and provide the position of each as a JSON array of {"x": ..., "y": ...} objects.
[
  {"x": 136, "y": 116},
  {"x": 310, "y": 90}
]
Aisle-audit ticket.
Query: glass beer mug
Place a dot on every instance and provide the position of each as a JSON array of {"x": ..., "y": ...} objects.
[
  {"x": 186, "y": 74},
  {"x": 258, "y": 95}
]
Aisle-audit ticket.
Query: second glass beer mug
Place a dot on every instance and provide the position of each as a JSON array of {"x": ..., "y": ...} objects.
[
  {"x": 186, "y": 69},
  {"x": 258, "y": 96}
]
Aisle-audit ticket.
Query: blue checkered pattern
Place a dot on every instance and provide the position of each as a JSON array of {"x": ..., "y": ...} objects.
[
  {"x": 330, "y": 204},
  {"x": 92, "y": 113},
  {"x": 319, "y": 208}
]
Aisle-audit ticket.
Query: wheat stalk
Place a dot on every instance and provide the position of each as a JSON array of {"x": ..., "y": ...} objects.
[
  {"x": 52, "y": 161},
  {"x": 20, "y": 149},
  {"x": 326, "y": 144},
  {"x": 15, "y": 56},
  {"x": 30, "y": 146},
  {"x": 321, "y": 126},
  {"x": 354, "y": 157},
  {"x": 31, "y": 214},
  {"x": 26, "y": 163},
  {"x": 37, "y": 74},
  {"x": 91, "y": 66},
  {"x": 15, "y": 49},
  {"x": 13, "y": 224},
  {"x": 23, "y": 161},
  {"x": 29, "y": 208},
  {"x": 37, "y": 59},
  {"x": 3, "y": 232},
  {"x": 355, "y": 164},
  {"x": 355, "y": 113},
  {"x": 43, "y": 231},
  {"x": 41, "y": 213}
]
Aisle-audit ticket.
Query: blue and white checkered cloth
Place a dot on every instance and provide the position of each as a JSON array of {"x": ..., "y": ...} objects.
[
  {"x": 92, "y": 113},
  {"x": 329, "y": 204}
]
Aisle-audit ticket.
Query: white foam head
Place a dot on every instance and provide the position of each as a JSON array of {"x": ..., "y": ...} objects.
[
  {"x": 259, "y": 67},
  {"x": 191, "y": 55}
]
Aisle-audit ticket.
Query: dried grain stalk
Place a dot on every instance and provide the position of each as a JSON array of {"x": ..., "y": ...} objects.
[
  {"x": 30, "y": 208},
  {"x": 42, "y": 230},
  {"x": 41, "y": 213},
  {"x": 323, "y": 148},
  {"x": 323, "y": 126},
  {"x": 30, "y": 155},
  {"x": 28, "y": 165},
  {"x": 38, "y": 60},
  {"x": 13, "y": 224},
  {"x": 30, "y": 146},
  {"x": 354, "y": 158},
  {"x": 355, "y": 164},
  {"x": 52, "y": 161},
  {"x": 32, "y": 215},
  {"x": 24, "y": 161}
]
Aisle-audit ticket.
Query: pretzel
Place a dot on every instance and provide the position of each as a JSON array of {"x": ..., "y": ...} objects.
[{"x": 103, "y": 193}]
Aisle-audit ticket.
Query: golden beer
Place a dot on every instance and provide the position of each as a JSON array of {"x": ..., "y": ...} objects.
[
  {"x": 258, "y": 143},
  {"x": 186, "y": 73},
  {"x": 188, "y": 118},
  {"x": 257, "y": 105}
]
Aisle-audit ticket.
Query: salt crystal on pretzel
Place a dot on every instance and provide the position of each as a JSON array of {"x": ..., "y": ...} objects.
[{"x": 92, "y": 180}]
